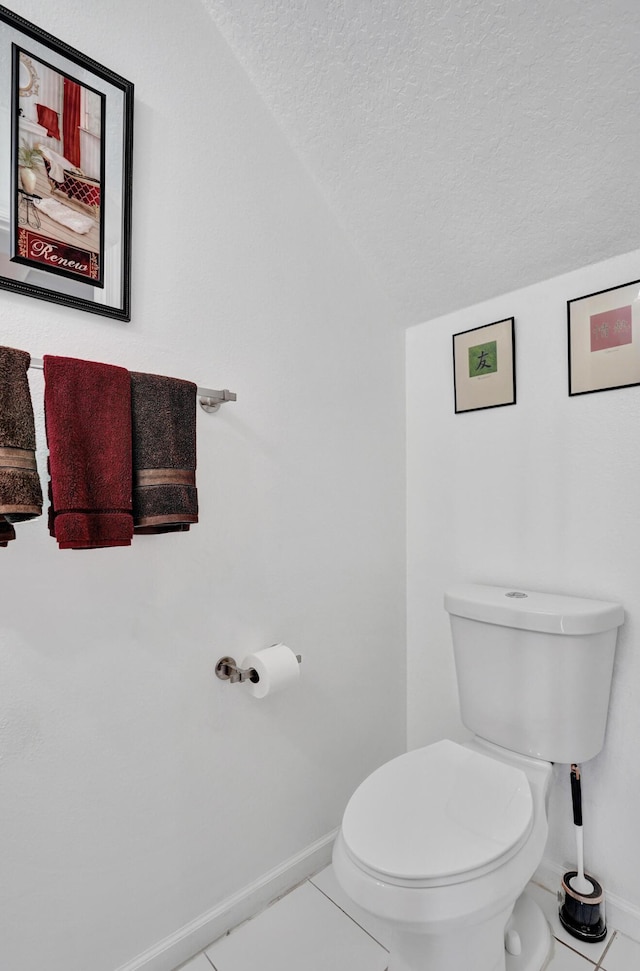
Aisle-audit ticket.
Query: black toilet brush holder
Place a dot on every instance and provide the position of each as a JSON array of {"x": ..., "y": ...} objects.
[
  {"x": 582, "y": 915},
  {"x": 581, "y": 896}
]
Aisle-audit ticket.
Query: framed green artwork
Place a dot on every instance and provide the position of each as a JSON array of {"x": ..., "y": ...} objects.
[{"x": 484, "y": 370}]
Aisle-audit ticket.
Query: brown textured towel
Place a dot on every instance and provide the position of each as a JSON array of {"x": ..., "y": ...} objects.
[
  {"x": 20, "y": 491},
  {"x": 88, "y": 419},
  {"x": 165, "y": 497}
]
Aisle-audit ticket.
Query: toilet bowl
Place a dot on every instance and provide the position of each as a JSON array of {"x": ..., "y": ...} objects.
[{"x": 439, "y": 843}]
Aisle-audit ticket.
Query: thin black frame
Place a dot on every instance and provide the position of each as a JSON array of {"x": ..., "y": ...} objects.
[
  {"x": 116, "y": 88},
  {"x": 473, "y": 330},
  {"x": 589, "y": 296}
]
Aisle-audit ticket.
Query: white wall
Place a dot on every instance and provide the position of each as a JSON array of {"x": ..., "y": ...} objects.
[
  {"x": 542, "y": 494},
  {"x": 137, "y": 791}
]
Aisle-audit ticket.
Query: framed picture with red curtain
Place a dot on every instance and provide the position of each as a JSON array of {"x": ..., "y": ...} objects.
[
  {"x": 65, "y": 180},
  {"x": 57, "y": 223}
]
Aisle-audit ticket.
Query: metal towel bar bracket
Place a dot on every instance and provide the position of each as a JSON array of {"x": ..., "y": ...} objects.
[{"x": 210, "y": 400}]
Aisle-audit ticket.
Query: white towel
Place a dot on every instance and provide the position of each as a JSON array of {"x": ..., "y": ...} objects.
[
  {"x": 67, "y": 217},
  {"x": 58, "y": 164}
]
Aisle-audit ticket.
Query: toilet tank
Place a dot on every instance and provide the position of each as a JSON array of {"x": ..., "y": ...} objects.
[{"x": 534, "y": 669}]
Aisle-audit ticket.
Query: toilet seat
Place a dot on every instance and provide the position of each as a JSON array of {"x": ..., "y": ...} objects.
[{"x": 438, "y": 815}]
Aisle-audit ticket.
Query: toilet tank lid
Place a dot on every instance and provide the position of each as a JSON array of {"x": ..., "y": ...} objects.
[{"x": 531, "y": 610}]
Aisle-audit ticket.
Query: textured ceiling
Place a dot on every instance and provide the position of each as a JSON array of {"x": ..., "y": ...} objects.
[{"x": 467, "y": 147}]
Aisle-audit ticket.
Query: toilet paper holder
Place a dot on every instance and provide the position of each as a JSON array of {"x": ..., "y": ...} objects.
[{"x": 228, "y": 670}]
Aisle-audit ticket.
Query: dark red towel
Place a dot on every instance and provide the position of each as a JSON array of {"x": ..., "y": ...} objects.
[
  {"x": 48, "y": 118},
  {"x": 7, "y": 532},
  {"x": 165, "y": 498},
  {"x": 88, "y": 422}
]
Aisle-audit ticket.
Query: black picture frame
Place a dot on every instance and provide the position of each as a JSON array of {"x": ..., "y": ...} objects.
[
  {"x": 65, "y": 229},
  {"x": 603, "y": 340},
  {"x": 484, "y": 366}
]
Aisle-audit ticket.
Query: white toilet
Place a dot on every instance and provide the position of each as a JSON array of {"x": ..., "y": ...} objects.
[{"x": 441, "y": 842}]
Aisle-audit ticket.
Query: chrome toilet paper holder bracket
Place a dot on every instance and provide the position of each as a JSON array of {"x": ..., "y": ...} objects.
[{"x": 228, "y": 670}]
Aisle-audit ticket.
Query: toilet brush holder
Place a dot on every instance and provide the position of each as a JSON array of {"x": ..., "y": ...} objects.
[
  {"x": 582, "y": 914},
  {"x": 581, "y": 898}
]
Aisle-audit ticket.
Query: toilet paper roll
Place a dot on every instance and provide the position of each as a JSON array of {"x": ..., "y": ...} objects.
[{"x": 277, "y": 668}]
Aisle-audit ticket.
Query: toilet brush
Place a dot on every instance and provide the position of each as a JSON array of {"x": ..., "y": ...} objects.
[{"x": 581, "y": 897}]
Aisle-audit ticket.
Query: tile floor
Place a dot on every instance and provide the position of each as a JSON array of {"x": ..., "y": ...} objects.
[{"x": 315, "y": 928}]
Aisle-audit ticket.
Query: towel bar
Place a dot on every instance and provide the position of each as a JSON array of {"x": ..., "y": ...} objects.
[{"x": 210, "y": 400}]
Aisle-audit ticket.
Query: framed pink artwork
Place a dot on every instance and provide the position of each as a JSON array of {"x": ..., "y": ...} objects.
[{"x": 604, "y": 339}]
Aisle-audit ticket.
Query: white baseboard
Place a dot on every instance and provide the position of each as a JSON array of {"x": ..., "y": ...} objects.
[
  {"x": 174, "y": 950},
  {"x": 621, "y": 915}
]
